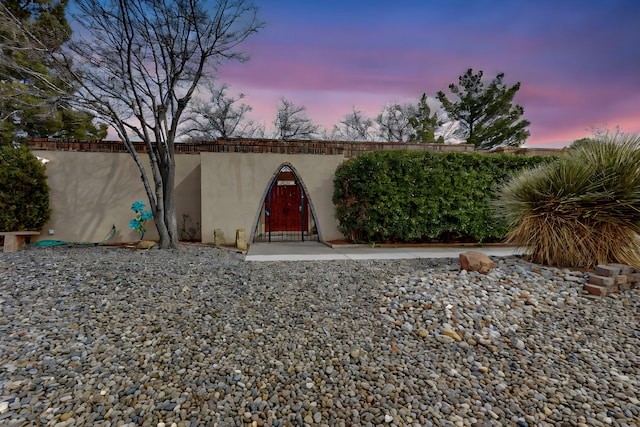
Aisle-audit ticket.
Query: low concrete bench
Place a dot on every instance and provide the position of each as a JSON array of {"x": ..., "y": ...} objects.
[{"x": 15, "y": 240}]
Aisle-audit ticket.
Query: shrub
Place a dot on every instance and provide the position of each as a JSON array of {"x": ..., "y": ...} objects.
[
  {"x": 581, "y": 210},
  {"x": 407, "y": 196},
  {"x": 24, "y": 193}
]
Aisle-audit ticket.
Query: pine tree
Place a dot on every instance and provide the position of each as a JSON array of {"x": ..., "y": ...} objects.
[
  {"x": 32, "y": 94},
  {"x": 425, "y": 124}
]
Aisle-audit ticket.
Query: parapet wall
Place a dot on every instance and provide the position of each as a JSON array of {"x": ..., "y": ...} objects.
[{"x": 240, "y": 145}]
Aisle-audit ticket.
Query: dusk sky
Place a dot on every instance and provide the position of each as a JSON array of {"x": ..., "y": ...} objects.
[{"x": 578, "y": 61}]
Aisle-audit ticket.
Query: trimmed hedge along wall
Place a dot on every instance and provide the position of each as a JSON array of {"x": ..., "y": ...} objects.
[{"x": 406, "y": 196}]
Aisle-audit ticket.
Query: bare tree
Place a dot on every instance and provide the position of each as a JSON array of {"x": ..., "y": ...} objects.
[
  {"x": 221, "y": 115},
  {"x": 355, "y": 126},
  {"x": 292, "y": 122},
  {"x": 393, "y": 122},
  {"x": 138, "y": 64}
]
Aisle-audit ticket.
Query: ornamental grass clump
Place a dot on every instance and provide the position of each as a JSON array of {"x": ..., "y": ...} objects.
[{"x": 581, "y": 210}]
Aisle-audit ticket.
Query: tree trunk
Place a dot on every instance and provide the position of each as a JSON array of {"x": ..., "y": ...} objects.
[
  {"x": 170, "y": 217},
  {"x": 169, "y": 239},
  {"x": 162, "y": 231}
]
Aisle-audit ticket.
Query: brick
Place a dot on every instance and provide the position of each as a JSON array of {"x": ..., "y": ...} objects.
[
  {"x": 601, "y": 291},
  {"x": 594, "y": 279},
  {"x": 622, "y": 279},
  {"x": 624, "y": 269},
  {"x": 624, "y": 286},
  {"x": 607, "y": 270},
  {"x": 633, "y": 277}
]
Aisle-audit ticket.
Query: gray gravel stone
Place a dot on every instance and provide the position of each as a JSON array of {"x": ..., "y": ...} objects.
[{"x": 197, "y": 337}]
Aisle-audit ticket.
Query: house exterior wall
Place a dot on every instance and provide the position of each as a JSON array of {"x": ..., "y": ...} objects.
[
  {"x": 234, "y": 185},
  {"x": 90, "y": 192}
]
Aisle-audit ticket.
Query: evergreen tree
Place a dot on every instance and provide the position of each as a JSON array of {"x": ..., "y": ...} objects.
[
  {"x": 425, "y": 124},
  {"x": 24, "y": 192},
  {"x": 32, "y": 94},
  {"x": 486, "y": 113}
]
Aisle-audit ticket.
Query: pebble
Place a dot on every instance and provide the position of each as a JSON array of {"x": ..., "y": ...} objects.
[{"x": 110, "y": 336}]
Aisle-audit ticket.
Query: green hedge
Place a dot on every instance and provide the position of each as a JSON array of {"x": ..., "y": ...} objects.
[
  {"x": 24, "y": 193},
  {"x": 406, "y": 196}
]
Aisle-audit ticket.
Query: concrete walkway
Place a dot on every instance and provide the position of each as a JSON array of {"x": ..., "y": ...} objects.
[{"x": 317, "y": 251}]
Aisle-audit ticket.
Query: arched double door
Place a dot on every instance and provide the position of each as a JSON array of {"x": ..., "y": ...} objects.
[{"x": 285, "y": 213}]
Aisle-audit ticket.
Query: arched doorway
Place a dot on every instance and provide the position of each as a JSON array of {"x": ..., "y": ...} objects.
[{"x": 286, "y": 212}]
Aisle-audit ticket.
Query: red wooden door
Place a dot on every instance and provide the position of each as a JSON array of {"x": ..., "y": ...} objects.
[{"x": 286, "y": 210}]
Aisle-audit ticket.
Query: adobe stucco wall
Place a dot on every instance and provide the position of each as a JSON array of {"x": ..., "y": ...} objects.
[
  {"x": 234, "y": 185},
  {"x": 90, "y": 192}
]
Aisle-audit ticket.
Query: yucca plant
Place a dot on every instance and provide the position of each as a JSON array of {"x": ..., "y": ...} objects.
[{"x": 581, "y": 210}]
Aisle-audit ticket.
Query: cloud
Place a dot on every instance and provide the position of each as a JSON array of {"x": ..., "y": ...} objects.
[{"x": 577, "y": 61}]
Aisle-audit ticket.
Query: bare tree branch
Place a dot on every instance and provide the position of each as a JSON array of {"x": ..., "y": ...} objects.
[
  {"x": 221, "y": 115},
  {"x": 354, "y": 127},
  {"x": 291, "y": 122}
]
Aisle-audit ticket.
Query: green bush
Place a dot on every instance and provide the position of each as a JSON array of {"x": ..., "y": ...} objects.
[
  {"x": 406, "y": 196},
  {"x": 24, "y": 193},
  {"x": 582, "y": 210}
]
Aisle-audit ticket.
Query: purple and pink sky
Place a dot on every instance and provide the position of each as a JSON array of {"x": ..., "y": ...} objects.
[{"x": 578, "y": 61}]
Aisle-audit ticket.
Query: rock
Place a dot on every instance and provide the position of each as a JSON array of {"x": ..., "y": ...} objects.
[
  {"x": 451, "y": 334},
  {"x": 518, "y": 343},
  {"x": 476, "y": 261},
  {"x": 387, "y": 390},
  {"x": 66, "y": 416},
  {"x": 407, "y": 327},
  {"x": 218, "y": 237},
  {"x": 241, "y": 239},
  {"x": 145, "y": 244}
]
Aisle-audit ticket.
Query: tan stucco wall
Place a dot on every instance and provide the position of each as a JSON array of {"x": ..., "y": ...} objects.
[
  {"x": 234, "y": 184},
  {"x": 90, "y": 192}
]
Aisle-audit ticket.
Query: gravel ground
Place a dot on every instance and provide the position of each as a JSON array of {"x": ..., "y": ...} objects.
[{"x": 102, "y": 336}]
